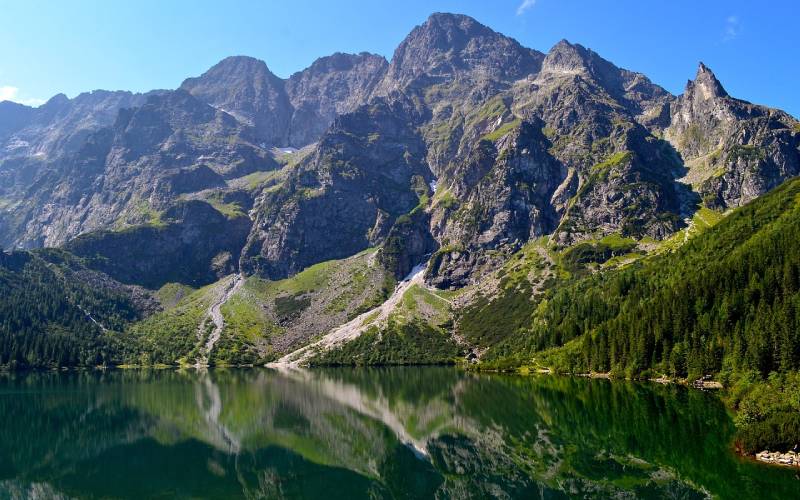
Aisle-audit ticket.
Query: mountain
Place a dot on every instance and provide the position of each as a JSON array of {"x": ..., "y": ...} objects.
[
  {"x": 129, "y": 172},
  {"x": 331, "y": 86},
  {"x": 454, "y": 49},
  {"x": 245, "y": 88},
  {"x": 465, "y": 179},
  {"x": 61, "y": 124},
  {"x": 735, "y": 150},
  {"x": 520, "y": 144},
  {"x": 293, "y": 112},
  {"x": 367, "y": 171}
]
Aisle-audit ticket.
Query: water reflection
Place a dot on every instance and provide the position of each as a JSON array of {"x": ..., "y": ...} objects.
[{"x": 365, "y": 433}]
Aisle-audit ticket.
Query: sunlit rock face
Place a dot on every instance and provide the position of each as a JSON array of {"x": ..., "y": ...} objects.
[{"x": 338, "y": 157}]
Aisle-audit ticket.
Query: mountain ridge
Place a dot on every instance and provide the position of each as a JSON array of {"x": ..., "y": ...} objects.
[{"x": 463, "y": 151}]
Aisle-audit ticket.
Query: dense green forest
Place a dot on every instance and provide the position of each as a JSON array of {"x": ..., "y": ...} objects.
[
  {"x": 52, "y": 314},
  {"x": 726, "y": 304}
]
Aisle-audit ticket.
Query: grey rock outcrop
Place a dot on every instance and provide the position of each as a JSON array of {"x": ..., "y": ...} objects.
[
  {"x": 345, "y": 196},
  {"x": 330, "y": 87},
  {"x": 245, "y": 88},
  {"x": 466, "y": 145},
  {"x": 194, "y": 245},
  {"x": 735, "y": 150}
]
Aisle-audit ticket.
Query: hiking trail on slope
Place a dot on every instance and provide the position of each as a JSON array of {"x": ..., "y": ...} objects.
[
  {"x": 215, "y": 315},
  {"x": 358, "y": 325}
]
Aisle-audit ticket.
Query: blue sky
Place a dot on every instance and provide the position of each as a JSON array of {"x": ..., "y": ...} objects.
[{"x": 47, "y": 47}]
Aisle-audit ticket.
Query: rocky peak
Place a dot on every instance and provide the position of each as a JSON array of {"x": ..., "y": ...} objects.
[
  {"x": 235, "y": 70},
  {"x": 705, "y": 85},
  {"x": 734, "y": 150},
  {"x": 567, "y": 58},
  {"x": 13, "y": 116},
  {"x": 331, "y": 86},
  {"x": 57, "y": 101},
  {"x": 450, "y": 46},
  {"x": 339, "y": 61},
  {"x": 566, "y": 63},
  {"x": 245, "y": 88}
]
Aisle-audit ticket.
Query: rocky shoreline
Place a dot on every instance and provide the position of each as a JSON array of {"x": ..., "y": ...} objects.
[{"x": 788, "y": 459}]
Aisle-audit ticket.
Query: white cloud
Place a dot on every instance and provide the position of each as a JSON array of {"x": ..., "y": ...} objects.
[
  {"x": 9, "y": 93},
  {"x": 732, "y": 29},
  {"x": 33, "y": 101},
  {"x": 524, "y": 6}
]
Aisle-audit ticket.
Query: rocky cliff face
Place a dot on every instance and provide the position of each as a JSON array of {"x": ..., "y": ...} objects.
[
  {"x": 735, "y": 150},
  {"x": 193, "y": 244},
  {"x": 499, "y": 199},
  {"x": 130, "y": 172},
  {"x": 331, "y": 86},
  {"x": 367, "y": 171},
  {"x": 245, "y": 88},
  {"x": 60, "y": 125},
  {"x": 466, "y": 146}
]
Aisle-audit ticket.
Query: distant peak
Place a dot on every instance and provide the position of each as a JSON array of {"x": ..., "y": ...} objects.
[
  {"x": 563, "y": 43},
  {"x": 565, "y": 57},
  {"x": 450, "y": 17},
  {"x": 452, "y": 23},
  {"x": 706, "y": 84},
  {"x": 241, "y": 62},
  {"x": 231, "y": 72},
  {"x": 56, "y": 100}
]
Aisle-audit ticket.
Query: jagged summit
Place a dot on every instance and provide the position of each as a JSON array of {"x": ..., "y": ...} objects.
[
  {"x": 457, "y": 91},
  {"x": 454, "y": 46},
  {"x": 340, "y": 61},
  {"x": 246, "y": 88},
  {"x": 706, "y": 84},
  {"x": 454, "y": 25},
  {"x": 567, "y": 58}
]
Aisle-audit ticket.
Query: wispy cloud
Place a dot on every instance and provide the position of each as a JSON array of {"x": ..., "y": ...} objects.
[
  {"x": 732, "y": 28},
  {"x": 9, "y": 93},
  {"x": 524, "y": 6}
]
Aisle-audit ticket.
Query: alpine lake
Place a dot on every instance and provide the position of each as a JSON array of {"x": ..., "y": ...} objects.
[{"x": 412, "y": 432}]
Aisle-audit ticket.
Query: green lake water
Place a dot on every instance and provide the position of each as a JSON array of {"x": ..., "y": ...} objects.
[{"x": 366, "y": 433}]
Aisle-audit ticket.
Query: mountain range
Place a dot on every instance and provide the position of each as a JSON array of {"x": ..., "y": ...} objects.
[{"x": 421, "y": 209}]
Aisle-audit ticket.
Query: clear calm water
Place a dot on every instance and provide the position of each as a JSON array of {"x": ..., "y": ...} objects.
[{"x": 366, "y": 433}]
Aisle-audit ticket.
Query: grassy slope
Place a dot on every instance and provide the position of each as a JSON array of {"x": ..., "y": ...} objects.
[
  {"x": 263, "y": 318},
  {"x": 278, "y": 316},
  {"x": 171, "y": 336},
  {"x": 418, "y": 331}
]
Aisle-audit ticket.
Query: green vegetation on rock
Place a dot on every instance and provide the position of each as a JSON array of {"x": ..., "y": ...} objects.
[{"x": 502, "y": 131}]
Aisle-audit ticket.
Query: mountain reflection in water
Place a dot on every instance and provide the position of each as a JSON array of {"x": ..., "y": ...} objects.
[{"x": 366, "y": 433}]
